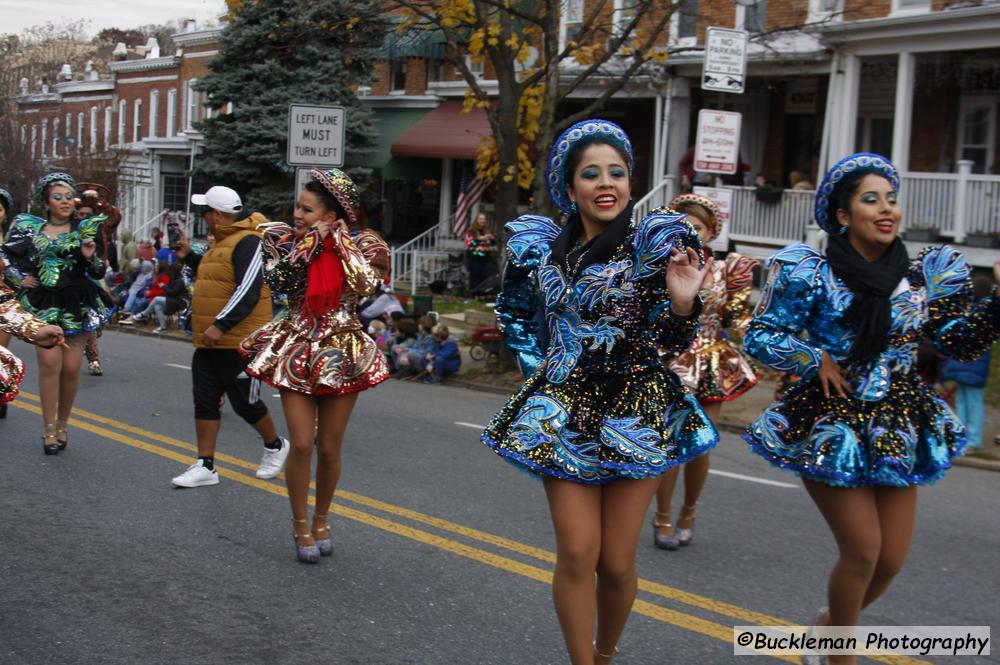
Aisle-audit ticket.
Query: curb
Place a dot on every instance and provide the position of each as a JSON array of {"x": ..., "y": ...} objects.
[{"x": 140, "y": 332}]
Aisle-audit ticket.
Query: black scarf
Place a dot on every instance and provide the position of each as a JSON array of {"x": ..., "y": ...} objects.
[
  {"x": 599, "y": 249},
  {"x": 871, "y": 282}
]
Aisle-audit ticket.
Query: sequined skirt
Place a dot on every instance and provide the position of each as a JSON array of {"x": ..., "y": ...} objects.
[
  {"x": 312, "y": 356},
  {"x": 78, "y": 307},
  {"x": 596, "y": 429},
  {"x": 717, "y": 373},
  {"x": 907, "y": 438},
  {"x": 11, "y": 373}
]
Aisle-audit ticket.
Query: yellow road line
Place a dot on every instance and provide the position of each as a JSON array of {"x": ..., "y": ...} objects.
[{"x": 666, "y": 615}]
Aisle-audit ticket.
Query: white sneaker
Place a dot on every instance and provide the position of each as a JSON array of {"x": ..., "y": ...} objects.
[
  {"x": 197, "y": 476},
  {"x": 273, "y": 461}
]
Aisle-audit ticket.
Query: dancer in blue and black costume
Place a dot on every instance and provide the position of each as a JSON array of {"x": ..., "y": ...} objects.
[
  {"x": 585, "y": 308},
  {"x": 60, "y": 260},
  {"x": 861, "y": 427}
]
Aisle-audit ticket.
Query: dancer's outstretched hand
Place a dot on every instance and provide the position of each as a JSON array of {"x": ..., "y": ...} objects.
[
  {"x": 831, "y": 375},
  {"x": 684, "y": 279}
]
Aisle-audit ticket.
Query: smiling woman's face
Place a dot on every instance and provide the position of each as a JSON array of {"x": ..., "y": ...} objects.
[
  {"x": 601, "y": 186},
  {"x": 874, "y": 215}
]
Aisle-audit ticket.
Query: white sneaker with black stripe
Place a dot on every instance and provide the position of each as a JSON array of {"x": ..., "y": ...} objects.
[
  {"x": 197, "y": 475},
  {"x": 273, "y": 461}
]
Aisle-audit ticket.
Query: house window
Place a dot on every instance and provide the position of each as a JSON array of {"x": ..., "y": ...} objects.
[
  {"x": 911, "y": 5},
  {"x": 476, "y": 68},
  {"x": 397, "y": 75},
  {"x": 34, "y": 141},
  {"x": 79, "y": 131},
  {"x": 137, "y": 121},
  {"x": 154, "y": 112},
  {"x": 107, "y": 127},
  {"x": 825, "y": 10},
  {"x": 977, "y": 121},
  {"x": 93, "y": 129},
  {"x": 121, "y": 122},
  {"x": 191, "y": 116},
  {"x": 55, "y": 137},
  {"x": 45, "y": 134},
  {"x": 67, "y": 139},
  {"x": 756, "y": 17},
  {"x": 687, "y": 22},
  {"x": 572, "y": 19},
  {"x": 171, "y": 113},
  {"x": 624, "y": 12}
]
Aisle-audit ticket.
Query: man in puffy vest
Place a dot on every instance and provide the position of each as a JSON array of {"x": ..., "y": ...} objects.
[{"x": 230, "y": 301}]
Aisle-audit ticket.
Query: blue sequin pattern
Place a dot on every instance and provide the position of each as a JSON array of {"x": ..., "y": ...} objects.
[
  {"x": 597, "y": 404},
  {"x": 893, "y": 429}
]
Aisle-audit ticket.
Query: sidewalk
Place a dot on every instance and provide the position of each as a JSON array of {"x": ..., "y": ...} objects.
[{"x": 736, "y": 415}]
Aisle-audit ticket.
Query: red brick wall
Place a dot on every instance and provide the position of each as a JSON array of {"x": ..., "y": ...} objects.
[
  {"x": 786, "y": 13},
  {"x": 855, "y": 10},
  {"x": 381, "y": 84},
  {"x": 416, "y": 76}
]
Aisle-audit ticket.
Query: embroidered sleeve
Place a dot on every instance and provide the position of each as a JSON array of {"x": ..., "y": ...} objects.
[
  {"x": 91, "y": 229},
  {"x": 959, "y": 329},
  {"x": 671, "y": 333},
  {"x": 365, "y": 259},
  {"x": 784, "y": 309},
  {"x": 19, "y": 250},
  {"x": 286, "y": 256},
  {"x": 739, "y": 281},
  {"x": 520, "y": 316}
]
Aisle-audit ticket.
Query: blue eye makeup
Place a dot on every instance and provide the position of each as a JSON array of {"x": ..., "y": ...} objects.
[{"x": 589, "y": 173}]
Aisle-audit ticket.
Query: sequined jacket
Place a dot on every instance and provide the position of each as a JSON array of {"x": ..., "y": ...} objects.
[
  {"x": 611, "y": 318},
  {"x": 365, "y": 258},
  {"x": 934, "y": 300},
  {"x": 57, "y": 261},
  {"x": 726, "y": 301},
  {"x": 13, "y": 319}
]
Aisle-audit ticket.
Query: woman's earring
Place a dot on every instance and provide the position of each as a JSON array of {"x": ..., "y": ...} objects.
[
  {"x": 843, "y": 230},
  {"x": 572, "y": 207}
]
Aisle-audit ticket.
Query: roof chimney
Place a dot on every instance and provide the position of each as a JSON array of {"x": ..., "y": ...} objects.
[
  {"x": 66, "y": 72},
  {"x": 152, "y": 48},
  {"x": 120, "y": 52}
]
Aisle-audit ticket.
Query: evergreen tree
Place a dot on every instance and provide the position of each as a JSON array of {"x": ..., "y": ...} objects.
[{"x": 278, "y": 52}]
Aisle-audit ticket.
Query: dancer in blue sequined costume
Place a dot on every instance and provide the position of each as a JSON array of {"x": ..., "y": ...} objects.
[
  {"x": 861, "y": 427},
  {"x": 585, "y": 308}
]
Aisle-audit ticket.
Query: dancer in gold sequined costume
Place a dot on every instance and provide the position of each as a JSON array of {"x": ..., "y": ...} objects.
[
  {"x": 714, "y": 368},
  {"x": 317, "y": 354}
]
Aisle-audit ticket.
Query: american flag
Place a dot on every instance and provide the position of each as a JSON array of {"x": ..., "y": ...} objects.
[{"x": 470, "y": 191}]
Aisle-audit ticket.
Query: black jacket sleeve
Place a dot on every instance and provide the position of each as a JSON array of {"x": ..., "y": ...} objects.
[{"x": 249, "y": 276}]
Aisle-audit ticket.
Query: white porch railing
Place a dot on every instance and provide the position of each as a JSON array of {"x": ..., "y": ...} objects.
[
  {"x": 955, "y": 204},
  {"x": 140, "y": 232},
  {"x": 417, "y": 261},
  {"x": 656, "y": 197},
  {"x": 780, "y": 223}
]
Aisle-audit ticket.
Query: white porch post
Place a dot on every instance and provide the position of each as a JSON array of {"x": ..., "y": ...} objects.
[
  {"x": 655, "y": 173},
  {"x": 848, "y": 113},
  {"x": 903, "y": 122},
  {"x": 444, "y": 205},
  {"x": 961, "y": 198},
  {"x": 832, "y": 95}
]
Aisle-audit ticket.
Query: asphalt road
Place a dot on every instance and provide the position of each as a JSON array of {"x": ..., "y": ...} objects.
[{"x": 443, "y": 551}]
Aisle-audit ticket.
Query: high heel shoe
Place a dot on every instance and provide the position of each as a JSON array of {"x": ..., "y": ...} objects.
[
  {"x": 601, "y": 658},
  {"x": 325, "y": 545},
  {"x": 685, "y": 534},
  {"x": 50, "y": 444},
  {"x": 664, "y": 541},
  {"x": 94, "y": 367},
  {"x": 305, "y": 553},
  {"x": 62, "y": 435}
]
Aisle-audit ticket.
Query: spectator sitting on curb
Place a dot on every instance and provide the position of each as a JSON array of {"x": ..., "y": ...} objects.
[
  {"x": 445, "y": 359},
  {"x": 424, "y": 345},
  {"x": 172, "y": 300},
  {"x": 402, "y": 339},
  {"x": 382, "y": 305}
]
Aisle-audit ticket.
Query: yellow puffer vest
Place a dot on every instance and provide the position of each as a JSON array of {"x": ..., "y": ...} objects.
[{"x": 216, "y": 284}]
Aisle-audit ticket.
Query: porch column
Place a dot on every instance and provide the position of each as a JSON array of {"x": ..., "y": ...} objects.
[
  {"x": 847, "y": 116},
  {"x": 444, "y": 205},
  {"x": 962, "y": 199},
  {"x": 903, "y": 123}
]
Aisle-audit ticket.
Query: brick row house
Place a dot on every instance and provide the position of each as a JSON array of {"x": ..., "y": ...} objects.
[{"x": 145, "y": 108}]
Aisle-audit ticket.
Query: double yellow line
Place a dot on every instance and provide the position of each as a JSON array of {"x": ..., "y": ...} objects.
[{"x": 121, "y": 432}]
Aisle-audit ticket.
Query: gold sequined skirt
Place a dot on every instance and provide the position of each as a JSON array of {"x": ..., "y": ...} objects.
[
  {"x": 11, "y": 373},
  {"x": 313, "y": 356},
  {"x": 717, "y": 373}
]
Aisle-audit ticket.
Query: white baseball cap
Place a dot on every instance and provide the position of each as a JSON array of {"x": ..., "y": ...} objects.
[{"x": 219, "y": 198}]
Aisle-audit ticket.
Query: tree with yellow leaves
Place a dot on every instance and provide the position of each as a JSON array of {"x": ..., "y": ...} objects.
[{"x": 537, "y": 62}]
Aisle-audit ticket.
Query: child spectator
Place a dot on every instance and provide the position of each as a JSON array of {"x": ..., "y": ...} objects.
[
  {"x": 445, "y": 359},
  {"x": 403, "y": 337},
  {"x": 424, "y": 345}
]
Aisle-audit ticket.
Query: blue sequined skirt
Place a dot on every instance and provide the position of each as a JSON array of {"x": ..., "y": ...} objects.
[
  {"x": 907, "y": 438},
  {"x": 597, "y": 429}
]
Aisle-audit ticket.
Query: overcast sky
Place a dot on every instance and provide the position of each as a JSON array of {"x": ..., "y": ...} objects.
[{"x": 15, "y": 15}]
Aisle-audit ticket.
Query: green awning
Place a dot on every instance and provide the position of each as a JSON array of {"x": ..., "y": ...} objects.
[
  {"x": 413, "y": 43},
  {"x": 391, "y": 124}
]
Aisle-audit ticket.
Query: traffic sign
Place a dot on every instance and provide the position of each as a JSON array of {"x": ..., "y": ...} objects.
[
  {"x": 717, "y": 146},
  {"x": 725, "y": 67},
  {"x": 315, "y": 135}
]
